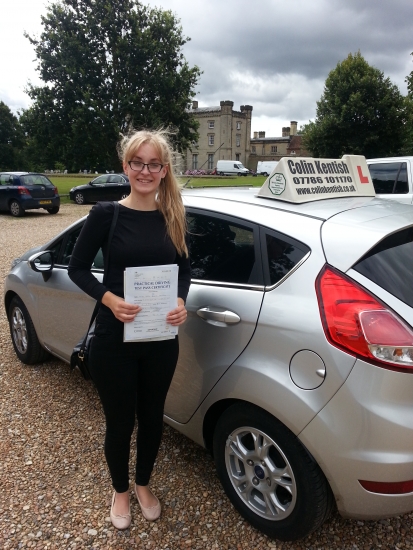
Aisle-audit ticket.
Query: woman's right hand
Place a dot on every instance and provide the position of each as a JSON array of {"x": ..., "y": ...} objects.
[{"x": 123, "y": 311}]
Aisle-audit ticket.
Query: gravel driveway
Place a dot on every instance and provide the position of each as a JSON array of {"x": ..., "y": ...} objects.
[{"x": 55, "y": 490}]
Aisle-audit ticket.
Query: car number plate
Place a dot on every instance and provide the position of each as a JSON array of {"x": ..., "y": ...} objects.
[{"x": 45, "y": 202}]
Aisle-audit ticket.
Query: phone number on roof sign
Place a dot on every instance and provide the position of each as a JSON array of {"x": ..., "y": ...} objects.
[{"x": 319, "y": 179}]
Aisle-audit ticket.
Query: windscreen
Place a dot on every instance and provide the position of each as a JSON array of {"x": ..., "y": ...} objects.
[{"x": 390, "y": 265}]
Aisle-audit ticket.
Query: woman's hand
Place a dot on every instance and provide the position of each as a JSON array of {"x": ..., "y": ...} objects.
[
  {"x": 123, "y": 311},
  {"x": 177, "y": 316}
]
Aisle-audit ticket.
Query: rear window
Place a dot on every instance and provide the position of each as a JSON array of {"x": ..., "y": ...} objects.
[
  {"x": 390, "y": 265},
  {"x": 389, "y": 177},
  {"x": 35, "y": 179}
]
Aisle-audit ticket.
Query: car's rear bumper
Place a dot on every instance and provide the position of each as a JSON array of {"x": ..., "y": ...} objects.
[
  {"x": 47, "y": 202},
  {"x": 365, "y": 432}
]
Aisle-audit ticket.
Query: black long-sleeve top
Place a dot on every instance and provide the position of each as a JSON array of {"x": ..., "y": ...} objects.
[{"x": 140, "y": 239}]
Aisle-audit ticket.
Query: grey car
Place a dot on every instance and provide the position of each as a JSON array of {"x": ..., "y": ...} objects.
[{"x": 296, "y": 363}]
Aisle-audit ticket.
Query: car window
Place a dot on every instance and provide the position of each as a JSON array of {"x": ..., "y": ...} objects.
[
  {"x": 281, "y": 255},
  {"x": 220, "y": 250},
  {"x": 6, "y": 179},
  {"x": 389, "y": 177},
  {"x": 390, "y": 265},
  {"x": 100, "y": 180},
  {"x": 35, "y": 179},
  {"x": 114, "y": 179},
  {"x": 68, "y": 249}
]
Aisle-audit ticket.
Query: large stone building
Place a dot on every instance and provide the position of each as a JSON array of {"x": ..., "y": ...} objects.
[
  {"x": 223, "y": 134},
  {"x": 274, "y": 148}
]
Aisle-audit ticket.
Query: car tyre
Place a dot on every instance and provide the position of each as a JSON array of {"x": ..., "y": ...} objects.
[
  {"x": 53, "y": 210},
  {"x": 15, "y": 209},
  {"x": 23, "y": 334},
  {"x": 123, "y": 196},
  {"x": 268, "y": 475},
  {"x": 79, "y": 198},
  {"x": 265, "y": 174}
]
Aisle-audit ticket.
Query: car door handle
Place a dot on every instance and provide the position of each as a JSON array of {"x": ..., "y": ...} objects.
[{"x": 224, "y": 316}]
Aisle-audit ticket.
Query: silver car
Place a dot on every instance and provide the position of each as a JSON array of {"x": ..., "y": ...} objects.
[{"x": 296, "y": 363}]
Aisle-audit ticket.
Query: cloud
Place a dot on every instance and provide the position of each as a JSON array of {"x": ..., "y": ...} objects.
[{"x": 273, "y": 55}]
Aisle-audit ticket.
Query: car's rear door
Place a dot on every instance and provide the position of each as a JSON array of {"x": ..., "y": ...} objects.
[
  {"x": 6, "y": 190},
  {"x": 223, "y": 306}
]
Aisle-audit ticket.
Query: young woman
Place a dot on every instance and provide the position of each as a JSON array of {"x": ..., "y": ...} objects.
[{"x": 133, "y": 378}]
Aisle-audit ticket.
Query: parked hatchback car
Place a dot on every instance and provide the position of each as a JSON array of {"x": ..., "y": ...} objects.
[
  {"x": 109, "y": 187},
  {"x": 296, "y": 363},
  {"x": 21, "y": 191}
]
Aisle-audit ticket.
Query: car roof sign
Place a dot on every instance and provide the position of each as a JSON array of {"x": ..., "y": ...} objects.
[{"x": 305, "y": 179}]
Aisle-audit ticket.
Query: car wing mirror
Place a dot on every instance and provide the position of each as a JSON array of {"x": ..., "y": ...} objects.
[{"x": 42, "y": 262}]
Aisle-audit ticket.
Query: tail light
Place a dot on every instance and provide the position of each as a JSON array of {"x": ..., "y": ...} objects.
[
  {"x": 23, "y": 190},
  {"x": 56, "y": 192},
  {"x": 357, "y": 322}
]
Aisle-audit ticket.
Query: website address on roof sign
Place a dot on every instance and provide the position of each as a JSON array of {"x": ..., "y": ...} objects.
[{"x": 323, "y": 189}]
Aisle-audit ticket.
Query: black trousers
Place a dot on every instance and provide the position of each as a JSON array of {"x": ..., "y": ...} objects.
[{"x": 132, "y": 380}]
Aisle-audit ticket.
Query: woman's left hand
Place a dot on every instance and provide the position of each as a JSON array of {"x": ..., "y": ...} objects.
[{"x": 177, "y": 316}]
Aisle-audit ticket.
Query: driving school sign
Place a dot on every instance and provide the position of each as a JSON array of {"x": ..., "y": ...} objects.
[{"x": 308, "y": 179}]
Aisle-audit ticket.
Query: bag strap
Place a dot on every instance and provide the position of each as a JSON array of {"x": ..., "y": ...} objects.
[{"x": 106, "y": 263}]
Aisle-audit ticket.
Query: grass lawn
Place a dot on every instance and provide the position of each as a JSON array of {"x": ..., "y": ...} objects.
[{"x": 66, "y": 182}]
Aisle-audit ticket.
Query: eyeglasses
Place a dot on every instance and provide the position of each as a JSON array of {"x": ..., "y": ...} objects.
[{"x": 138, "y": 166}]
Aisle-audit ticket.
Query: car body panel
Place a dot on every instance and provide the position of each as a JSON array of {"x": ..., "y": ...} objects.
[{"x": 373, "y": 412}]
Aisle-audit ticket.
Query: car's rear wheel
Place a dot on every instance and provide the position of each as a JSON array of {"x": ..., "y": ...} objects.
[
  {"x": 23, "y": 334},
  {"x": 268, "y": 475},
  {"x": 53, "y": 210},
  {"x": 79, "y": 198},
  {"x": 124, "y": 196},
  {"x": 265, "y": 174},
  {"x": 15, "y": 209}
]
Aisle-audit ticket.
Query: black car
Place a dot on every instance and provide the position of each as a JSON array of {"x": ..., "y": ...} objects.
[
  {"x": 21, "y": 191},
  {"x": 109, "y": 187}
]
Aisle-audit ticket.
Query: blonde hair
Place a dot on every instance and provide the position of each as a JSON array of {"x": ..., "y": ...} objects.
[{"x": 169, "y": 193}]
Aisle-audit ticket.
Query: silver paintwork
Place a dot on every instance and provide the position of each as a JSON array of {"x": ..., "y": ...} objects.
[{"x": 354, "y": 418}]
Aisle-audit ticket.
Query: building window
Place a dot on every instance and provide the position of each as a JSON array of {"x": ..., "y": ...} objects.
[
  {"x": 238, "y": 140},
  {"x": 210, "y": 162},
  {"x": 253, "y": 150},
  {"x": 263, "y": 150},
  {"x": 211, "y": 123},
  {"x": 211, "y": 139},
  {"x": 237, "y": 155},
  {"x": 194, "y": 162},
  {"x": 292, "y": 152},
  {"x": 273, "y": 148},
  {"x": 238, "y": 125}
]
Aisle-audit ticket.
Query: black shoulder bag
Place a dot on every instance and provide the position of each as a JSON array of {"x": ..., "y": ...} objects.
[{"x": 80, "y": 353}]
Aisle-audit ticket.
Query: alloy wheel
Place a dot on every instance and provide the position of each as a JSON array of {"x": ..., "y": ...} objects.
[
  {"x": 19, "y": 330},
  {"x": 260, "y": 473}
]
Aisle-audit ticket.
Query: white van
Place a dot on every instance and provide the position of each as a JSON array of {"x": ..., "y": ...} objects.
[
  {"x": 231, "y": 167},
  {"x": 392, "y": 178},
  {"x": 264, "y": 168}
]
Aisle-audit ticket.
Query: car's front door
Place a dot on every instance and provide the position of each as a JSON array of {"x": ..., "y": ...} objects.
[
  {"x": 64, "y": 310},
  {"x": 223, "y": 307},
  {"x": 98, "y": 189}
]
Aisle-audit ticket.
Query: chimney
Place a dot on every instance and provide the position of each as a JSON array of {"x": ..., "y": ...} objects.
[
  {"x": 286, "y": 131},
  {"x": 195, "y": 105},
  {"x": 255, "y": 135},
  {"x": 293, "y": 125},
  {"x": 261, "y": 134}
]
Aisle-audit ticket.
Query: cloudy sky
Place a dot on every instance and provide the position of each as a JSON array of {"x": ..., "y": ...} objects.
[{"x": 273, "y": 55}]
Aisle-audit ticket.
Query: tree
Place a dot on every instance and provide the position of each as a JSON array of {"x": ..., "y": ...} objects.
[
  {"x": 10, "y": 139},
  {"x": 360, "y": 112},
  {"x": 408, "y": 143},
  {"x": 108, "y": 65}
]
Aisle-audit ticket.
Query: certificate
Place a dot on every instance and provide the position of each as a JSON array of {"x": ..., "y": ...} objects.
[{"x": 155, "y": 290}]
